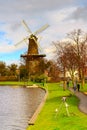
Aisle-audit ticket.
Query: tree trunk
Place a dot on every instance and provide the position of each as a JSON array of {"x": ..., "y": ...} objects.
[{"x": 64, "y": 82}]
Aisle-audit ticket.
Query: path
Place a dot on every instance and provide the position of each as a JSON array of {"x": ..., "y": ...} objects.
[{"x": 83, "y": 101}]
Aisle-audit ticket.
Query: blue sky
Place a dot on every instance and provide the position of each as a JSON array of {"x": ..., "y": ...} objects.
[{"x": 63, "y": 16}]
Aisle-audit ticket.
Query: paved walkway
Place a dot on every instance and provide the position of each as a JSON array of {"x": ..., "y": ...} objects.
[{"x": 83, "y": 100}]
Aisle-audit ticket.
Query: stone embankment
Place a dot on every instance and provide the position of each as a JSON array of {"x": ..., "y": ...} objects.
[{"x": 34, "y": 117}]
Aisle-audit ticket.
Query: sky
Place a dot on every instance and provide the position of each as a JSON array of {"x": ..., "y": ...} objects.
[{"x": 63, "y": 16}]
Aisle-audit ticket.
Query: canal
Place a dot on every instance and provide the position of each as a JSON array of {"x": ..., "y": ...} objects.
[{"x": 17, "y": 106}]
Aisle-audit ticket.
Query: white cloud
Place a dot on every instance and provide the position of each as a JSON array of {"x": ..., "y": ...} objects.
[
  {"x": 62, "y": 17},
  {"x": 58, "y": 16},
  {"x": 79, "y": 14}
]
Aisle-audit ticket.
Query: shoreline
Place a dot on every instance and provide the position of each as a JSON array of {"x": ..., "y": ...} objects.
[{"x": 36, "y": 113}]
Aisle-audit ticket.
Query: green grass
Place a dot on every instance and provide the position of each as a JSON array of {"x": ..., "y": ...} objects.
[
  {"x": 15, "y": 83},
  {"x": 48, "y": 120},
  {"x": 84, "y": 89}
]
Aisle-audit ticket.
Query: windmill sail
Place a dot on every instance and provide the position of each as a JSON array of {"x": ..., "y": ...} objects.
[
  {"x": 41, "y": 29},
  {"x": 26, "y": 27}
]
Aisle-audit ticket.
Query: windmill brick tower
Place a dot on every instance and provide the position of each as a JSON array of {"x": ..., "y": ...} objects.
[{"x": 33, "y": 57}]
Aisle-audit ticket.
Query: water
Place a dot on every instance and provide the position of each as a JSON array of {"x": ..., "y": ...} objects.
[{"x": 17, "y": 105}]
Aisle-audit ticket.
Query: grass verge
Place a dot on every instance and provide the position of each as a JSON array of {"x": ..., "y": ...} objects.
[
  {"x": 2, "y": 83},
  {"x": 48, "y": 119}
]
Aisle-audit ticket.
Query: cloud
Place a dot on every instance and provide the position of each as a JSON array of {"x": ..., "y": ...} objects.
[
  {"x": 61, "y": 15},
  {"x": 79, "y": 13},
  {"x": 7, "y": 48},
  {"x": 21, "y": 8}
]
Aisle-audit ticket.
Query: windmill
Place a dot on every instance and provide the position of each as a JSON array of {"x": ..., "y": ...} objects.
[
  {"x": 33, "y": 45},
  {"x": 32, "y": 57}
]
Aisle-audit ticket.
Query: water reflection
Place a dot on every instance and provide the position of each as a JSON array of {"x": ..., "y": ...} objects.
[{"x": 17, "y": 105}]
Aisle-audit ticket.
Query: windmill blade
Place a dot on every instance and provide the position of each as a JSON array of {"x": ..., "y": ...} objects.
[
  {"x": 26, "y": 27},
  {"x": 37, "y": 43},
  {"x": 24, "y": 40},
  {"x": 41, "y": 29},
  {"x": 39, "y": 46},
  {"x": 39, "y": 38}
]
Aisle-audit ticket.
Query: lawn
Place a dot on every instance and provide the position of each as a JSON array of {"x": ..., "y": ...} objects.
[
  {"x": 22, "y": 83},
  {"x": 49, "y": 119}
]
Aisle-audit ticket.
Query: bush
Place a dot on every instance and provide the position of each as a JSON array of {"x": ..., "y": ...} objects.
[{"x": 8, "y": 78}]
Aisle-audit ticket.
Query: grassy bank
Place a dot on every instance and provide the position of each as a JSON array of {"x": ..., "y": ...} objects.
[
  {"x": 48, "y": 120},
  {"x": 15, "y": 83}
]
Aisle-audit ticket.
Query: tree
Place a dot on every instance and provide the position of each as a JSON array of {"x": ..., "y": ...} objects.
[
  {"x": 53, "y": 70},
  {"x": 71, "y": 60},
  {"x": 12, "y": 69},
  {"x": 61, "y": 59},
  {"x": 79, "y": 38},
  {"x": 3, "y": 69},
  {"x": 71, "y": 55},
  {"x": 23, "y": 72}
]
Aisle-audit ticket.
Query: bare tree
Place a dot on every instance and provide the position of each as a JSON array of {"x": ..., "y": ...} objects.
[
  {"x": 61, "y": 59},
  {"x": 79, "y": 38},
  {"x": 72, "y": 55},
  {"x": 71, "y": 61}
]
